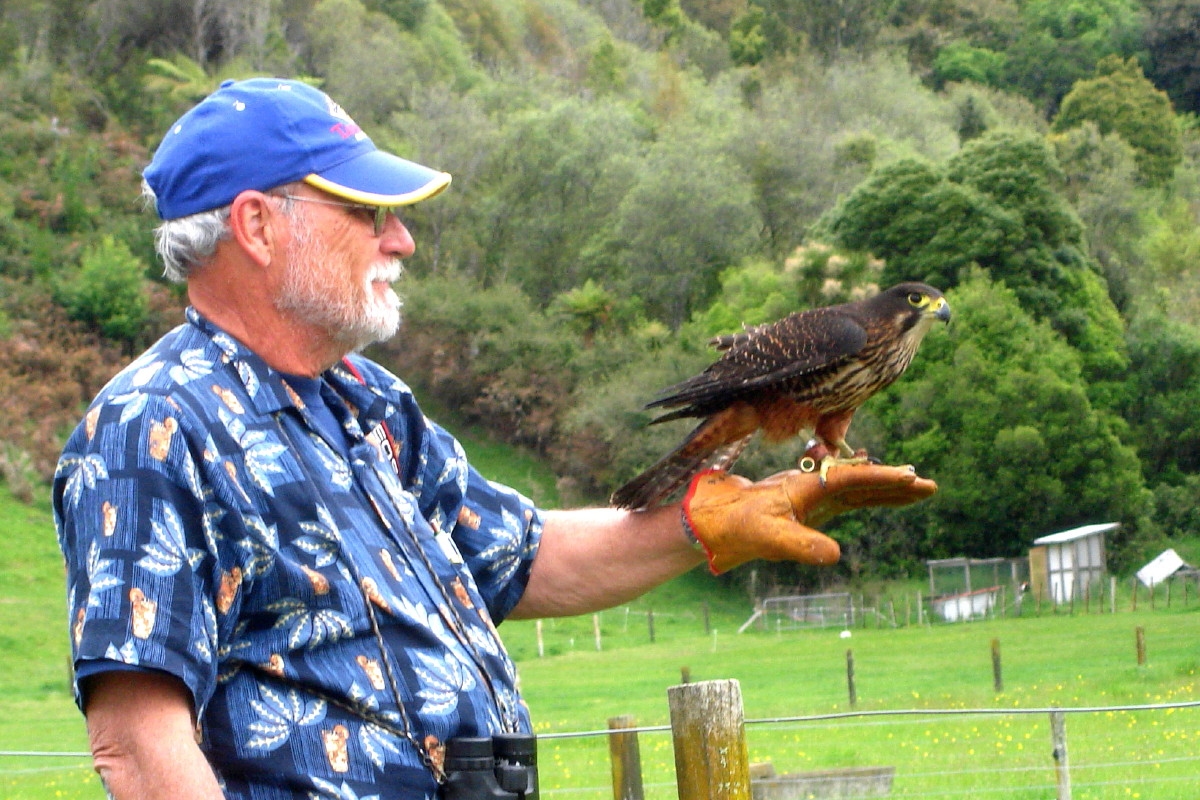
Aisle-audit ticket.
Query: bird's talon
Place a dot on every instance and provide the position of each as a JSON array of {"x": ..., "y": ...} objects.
[{"x": 826, "y": 464}]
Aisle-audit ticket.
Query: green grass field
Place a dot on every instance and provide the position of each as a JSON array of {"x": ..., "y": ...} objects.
[
  {"x": 1080, "y": 660},
  {"x": 37, "y": 712},
  {"x": 1048, "y": 661}
]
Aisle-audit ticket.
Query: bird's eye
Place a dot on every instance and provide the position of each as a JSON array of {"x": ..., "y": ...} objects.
[{"x": 917, "y": 299}]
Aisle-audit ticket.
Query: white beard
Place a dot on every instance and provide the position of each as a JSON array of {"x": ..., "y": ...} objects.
[{"x": 354, "y": 316}]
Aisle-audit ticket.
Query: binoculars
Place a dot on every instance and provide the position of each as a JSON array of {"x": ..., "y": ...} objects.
[{"x": 499, "y": 767}]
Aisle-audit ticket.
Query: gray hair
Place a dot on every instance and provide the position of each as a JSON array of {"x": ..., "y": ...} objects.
[{"x": 188, "y": 243}]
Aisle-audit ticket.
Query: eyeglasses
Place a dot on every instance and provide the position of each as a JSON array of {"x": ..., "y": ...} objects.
[{"x": 378, "y": 214}]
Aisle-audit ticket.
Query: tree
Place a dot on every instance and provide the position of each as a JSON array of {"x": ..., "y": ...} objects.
[
  {"x": 605, "y": 69},
  {"x": 747, "y": 44},
  {"x": 997, "y": 411},
  {"x": 925, "y": 27},
  {"x": 1165, "y": 373},
  {"x": 343, "y": 36},
  {"x": 408, "y": 13},
  {"x": 1120, "y": 100},
  {"x": 448, "y": 130},
  {"x": 1172, "y": 41},
  {"x": 687, "y": 216},
  {"x": 209, "y": 32},
  {"x": 960, "y": 61},
  {"x": 588, "y": 309},
  {"x": 1101, "y": 183},
  {"x": 183, "y": 82},
  {"x": 552, "y": 180},
  {"x": 1060, "y": 43},
  {"x": 994, "y": 205},
  {"x": 811, "y": 139},
  {"x": 828, "y": 28}
]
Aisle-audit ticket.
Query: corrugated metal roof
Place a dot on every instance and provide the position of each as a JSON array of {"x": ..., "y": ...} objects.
[{"x": 1077, "y": 533}]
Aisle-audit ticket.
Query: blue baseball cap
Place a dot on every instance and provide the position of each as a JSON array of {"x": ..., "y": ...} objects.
[{"x": 264, "y": 132}]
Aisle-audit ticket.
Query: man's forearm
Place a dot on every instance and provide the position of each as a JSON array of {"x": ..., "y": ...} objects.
[
  {"x": 143, "y": 747},
  {"x": 591, "y": 559}
]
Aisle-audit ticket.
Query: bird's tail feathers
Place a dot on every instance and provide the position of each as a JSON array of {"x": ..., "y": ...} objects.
[{"x": 672, "y": 472}]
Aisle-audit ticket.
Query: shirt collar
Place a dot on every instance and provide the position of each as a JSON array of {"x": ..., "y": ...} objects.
[
  {"x": 268, "y": 390},
  {"x": 264, "y": 385}
]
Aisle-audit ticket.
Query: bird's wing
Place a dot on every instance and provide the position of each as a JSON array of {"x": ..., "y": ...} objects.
[{"x": 766, "y": 355}]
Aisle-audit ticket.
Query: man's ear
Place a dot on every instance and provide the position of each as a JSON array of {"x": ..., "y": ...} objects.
[{"x": 254, "y": 220}]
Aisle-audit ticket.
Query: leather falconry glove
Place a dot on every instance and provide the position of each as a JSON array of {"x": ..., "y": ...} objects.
[{"x": 775, "y": 519}]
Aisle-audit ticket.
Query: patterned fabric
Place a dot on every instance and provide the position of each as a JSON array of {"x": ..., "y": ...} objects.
[{"x": 211, "y": 531}]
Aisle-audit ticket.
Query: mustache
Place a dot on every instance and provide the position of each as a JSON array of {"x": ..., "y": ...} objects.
[{"x": 388, "y": 271}]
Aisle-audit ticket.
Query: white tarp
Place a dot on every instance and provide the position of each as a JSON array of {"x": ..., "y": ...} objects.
[{"x": 1164, "y": 565}]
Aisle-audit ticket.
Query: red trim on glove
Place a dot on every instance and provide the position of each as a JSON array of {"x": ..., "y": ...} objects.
[{"x": 690, "y": 530}]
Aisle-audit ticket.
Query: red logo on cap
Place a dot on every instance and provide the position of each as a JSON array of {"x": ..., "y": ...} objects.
[{"x": 346, "y": 129}]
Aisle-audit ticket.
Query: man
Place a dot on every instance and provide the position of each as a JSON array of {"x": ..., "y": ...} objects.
[{"x": 283, "y": 580}]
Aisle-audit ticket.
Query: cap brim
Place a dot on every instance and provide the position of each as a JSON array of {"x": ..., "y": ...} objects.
[{"x": 380, "y": 179}]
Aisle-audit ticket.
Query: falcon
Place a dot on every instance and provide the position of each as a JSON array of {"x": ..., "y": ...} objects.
[{"x": 808, "y": 372}]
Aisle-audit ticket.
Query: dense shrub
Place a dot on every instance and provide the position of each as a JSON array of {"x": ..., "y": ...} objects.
[
  {"x": 52, "y": 368},
  {"x": 108, "y": 292}
]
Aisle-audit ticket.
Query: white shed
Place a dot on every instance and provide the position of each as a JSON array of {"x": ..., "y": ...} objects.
[
  {"x": 1064, "y": 565},
  {"x": 1166, "y": 564}
]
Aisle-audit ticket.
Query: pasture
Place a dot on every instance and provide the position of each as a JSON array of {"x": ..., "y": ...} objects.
[
  {"x": 1048, "y": 661},
  {"x": 1063, "y": 660}
]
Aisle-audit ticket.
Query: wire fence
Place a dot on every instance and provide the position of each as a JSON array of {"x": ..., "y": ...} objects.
[
  {"x": 1117, "y": 751},
  {"x": 628, "y": 625}
]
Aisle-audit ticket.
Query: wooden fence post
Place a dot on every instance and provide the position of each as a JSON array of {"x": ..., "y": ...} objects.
[
  {"x": 1062, "y": 772},
  {"x": 626, "y": 757},
  {"x": 997, "y": 672},
  {"x": 712, "y": 761},
  {"x": 850, "y": 678},
  {"x": 1140, "y": 637},
  {"x": 650, "y": 623}
]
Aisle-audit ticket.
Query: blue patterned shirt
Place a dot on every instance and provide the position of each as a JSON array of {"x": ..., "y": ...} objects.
[{"x": 213, "y": 531}]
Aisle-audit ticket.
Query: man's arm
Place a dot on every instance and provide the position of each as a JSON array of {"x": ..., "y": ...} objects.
[
  {"x": 142, "y": 737},
  {"x": 596, "y": 558}
]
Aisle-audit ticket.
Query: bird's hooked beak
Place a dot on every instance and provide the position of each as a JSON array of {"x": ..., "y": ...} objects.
[{"x": 940, "y": 310}]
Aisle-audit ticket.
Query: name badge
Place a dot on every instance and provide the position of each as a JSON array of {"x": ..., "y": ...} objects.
[{"x": 381, "y": 439}]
